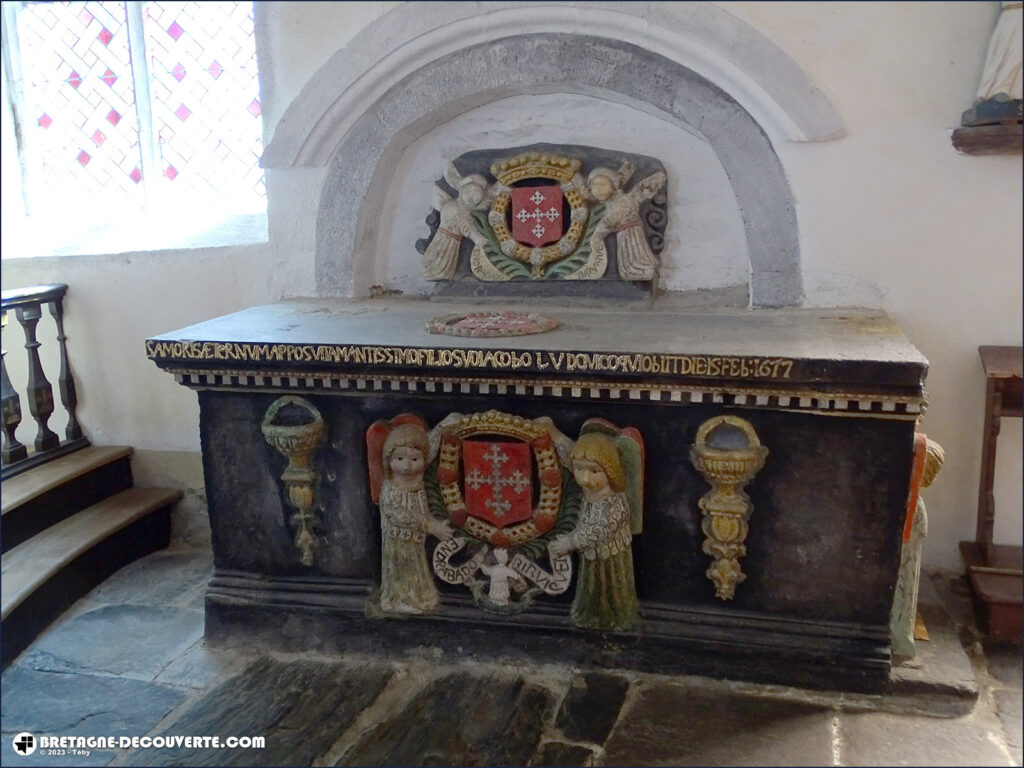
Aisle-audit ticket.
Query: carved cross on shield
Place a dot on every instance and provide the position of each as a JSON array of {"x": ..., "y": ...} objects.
[
  {"x": 537, "y": 214},
  {"x": 497, "y": 480}
]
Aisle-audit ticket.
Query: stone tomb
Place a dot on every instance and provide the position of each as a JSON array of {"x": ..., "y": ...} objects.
[{"x": 712, "y": 492}]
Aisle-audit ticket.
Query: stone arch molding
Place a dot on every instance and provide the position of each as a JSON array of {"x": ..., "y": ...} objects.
[{"x": 392, "y": 85}]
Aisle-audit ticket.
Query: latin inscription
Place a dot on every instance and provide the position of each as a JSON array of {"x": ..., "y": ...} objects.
[{"x": 499, "y": 360}]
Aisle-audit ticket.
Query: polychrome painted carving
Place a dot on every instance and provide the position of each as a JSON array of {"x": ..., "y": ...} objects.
[
  {"x": 457, "y": 221},
  {"x": 622, "y": 217},
  {"x": 503, "y": 496},
  {"x": 728, "y": 453},
  {"x": 485, "y": 469},
  {"x": 541, "y": 220},
  {"x": 398, "y": 451},
  {"x": 491, "y": 325},
  {"x": 296, "y": 437},
  {"x": 928, "y": 460},
  {"x": 607, "y": 464}
]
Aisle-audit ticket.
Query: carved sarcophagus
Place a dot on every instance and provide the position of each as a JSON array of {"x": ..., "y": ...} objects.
[{"x": 719, "y": 493}]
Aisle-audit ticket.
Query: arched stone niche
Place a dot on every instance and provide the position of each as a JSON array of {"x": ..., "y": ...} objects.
[{"x": 362, "y": 155}]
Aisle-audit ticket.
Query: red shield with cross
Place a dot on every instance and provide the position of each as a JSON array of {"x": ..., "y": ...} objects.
[
  {"x": 497, "y": 481},
  {"x": 537, "y": 214}
]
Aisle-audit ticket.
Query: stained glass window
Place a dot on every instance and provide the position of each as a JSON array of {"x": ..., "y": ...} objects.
[{"x": 132, "y": 106}]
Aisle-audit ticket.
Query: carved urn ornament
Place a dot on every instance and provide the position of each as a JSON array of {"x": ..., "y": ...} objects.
[
  {"x": 296, "y": 442},
  {"x": 728, "y": 453}
]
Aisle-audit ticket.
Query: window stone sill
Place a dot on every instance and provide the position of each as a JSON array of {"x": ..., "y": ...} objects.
[{"x": 28, "y": 238}]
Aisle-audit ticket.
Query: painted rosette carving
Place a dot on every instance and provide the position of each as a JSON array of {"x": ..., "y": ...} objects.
[
  {"x": 538, "y": 441},
  {"x": 532, "y": 165}
]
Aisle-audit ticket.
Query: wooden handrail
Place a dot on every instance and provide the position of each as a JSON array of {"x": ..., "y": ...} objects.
[
  {"x": 37, "y": 294},
  {"x": 27, "y": 304}
]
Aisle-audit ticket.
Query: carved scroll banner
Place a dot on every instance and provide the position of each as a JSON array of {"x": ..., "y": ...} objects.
[
  {"x": 554, "y": 583},
  {"x": 456, "y": 574},
  {"x": 728, "y": 453}
]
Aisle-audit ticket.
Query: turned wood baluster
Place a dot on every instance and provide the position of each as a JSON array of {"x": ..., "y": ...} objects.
[
  {"x": 12, "y": 450},
  {"x": 40, "y": 393},
  {"x": 68, "y": 393}
]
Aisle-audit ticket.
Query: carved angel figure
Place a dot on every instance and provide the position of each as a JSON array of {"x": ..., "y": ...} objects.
[
  {"x": 612, "y": 493},
  {"x": 502, "y": 576},
  {"x": 622, "y": 216},
  {"x": 406, "y": 581},
  {"x": 904, "y": 607},
  {"x": 473, "y": 193}
]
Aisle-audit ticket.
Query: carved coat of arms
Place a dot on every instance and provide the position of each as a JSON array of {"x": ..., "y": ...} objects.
[
  {"x": 509, "y": 500},
  {"x": 536, "y": 216}
]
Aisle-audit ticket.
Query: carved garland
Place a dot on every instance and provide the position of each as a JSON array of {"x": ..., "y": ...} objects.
[
  {"x": 496, "y": 423},
  {"x": 537, "y": 165}
]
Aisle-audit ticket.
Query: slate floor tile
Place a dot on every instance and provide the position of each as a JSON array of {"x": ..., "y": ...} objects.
[
  {"x": 676, "y": 725},
  {"x": 460, "y": 719},
  {"x": 299, "y": 707},
  {"x": 162, "y": 579},
  {"x": 591, "y": 706},
  {"x": 1004, "y": 661},
  {"x": 136, "y": 641},
  {"x": 557, "y": 753},
  {"x": 874, "y": 738},
  {"x": 55, "y": 704},
  {"x": 203, "y": 667},
  {"x": 1009, "y": 710}
]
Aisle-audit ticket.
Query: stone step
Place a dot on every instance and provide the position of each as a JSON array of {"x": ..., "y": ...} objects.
[
  {"x": 45, "y": 495},
  {"x": 41, "y": 577}
]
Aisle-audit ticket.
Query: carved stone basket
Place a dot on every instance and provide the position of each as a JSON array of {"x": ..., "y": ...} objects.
[
  {"x": 296, "y": 442},
  {"x": 727, "y": 466}
]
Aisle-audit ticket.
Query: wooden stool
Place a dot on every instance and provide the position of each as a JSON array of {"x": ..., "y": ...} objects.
[{"x": 995, "y": 569}]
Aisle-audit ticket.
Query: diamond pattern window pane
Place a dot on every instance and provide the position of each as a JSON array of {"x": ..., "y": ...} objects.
[
  {"x": 204, "y": 82},
  {"x": 83, "y": 134},
  {"x": 76, "y": 70}
]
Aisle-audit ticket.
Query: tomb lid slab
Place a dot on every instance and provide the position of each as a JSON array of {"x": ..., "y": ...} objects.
[{"x": 791, "y": 347}]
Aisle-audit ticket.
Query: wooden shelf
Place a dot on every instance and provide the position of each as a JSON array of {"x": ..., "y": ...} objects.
[
  {"x": 989, "y": 139},
  {"x": 995, "y": 570}
]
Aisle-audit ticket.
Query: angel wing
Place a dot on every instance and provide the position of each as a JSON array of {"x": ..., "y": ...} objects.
[
  {"x": 452, "y": 176},
  {"x": 650, "y": 186},
  {"x": 438, "y": 198},
  {"x": 625, "y": 173}
]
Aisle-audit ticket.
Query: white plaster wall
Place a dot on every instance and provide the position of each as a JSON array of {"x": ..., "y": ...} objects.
[
  {"x": 116, "y": 302},
  {"x": 890, "y": 216},
  {"x": 705, "y": 244}
]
